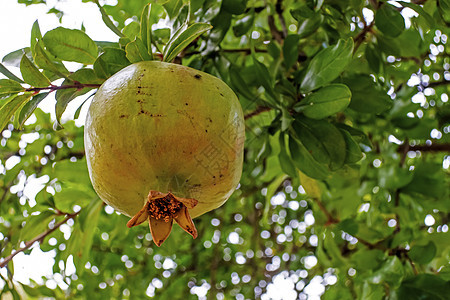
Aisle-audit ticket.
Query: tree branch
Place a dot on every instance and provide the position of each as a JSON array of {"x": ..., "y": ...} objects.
[
  {"x": 38, "y": 238},
  {"x": 426, "y": 148},
  {"x": 438, "y": 83}
]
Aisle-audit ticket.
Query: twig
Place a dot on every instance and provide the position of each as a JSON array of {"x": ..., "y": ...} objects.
[
  {"x": 6, "y": 190},
  {"x": 52, "y": 88},
  {"x": 38, "y": 238},
  {"x": 371, "y": 245},
  {"x": 330, "y": 217},
  {"x": 359, "y": 39},
  {"x": 438, "y": 83},
  {"x": 413, "y": 266},
  {"x": 277, "y": 35},
  {"x": 245, "y": 50},
  {"x": 426, "y": 148},
  {"x": 279, "y": 10},
  {"x": 257, "y": 111}
]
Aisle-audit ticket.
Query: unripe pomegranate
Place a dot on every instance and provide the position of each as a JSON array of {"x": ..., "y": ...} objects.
[{"x": 163, "y": 142}]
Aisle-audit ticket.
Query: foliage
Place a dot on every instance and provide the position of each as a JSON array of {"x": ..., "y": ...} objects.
[{"x": 346, "y": 173}]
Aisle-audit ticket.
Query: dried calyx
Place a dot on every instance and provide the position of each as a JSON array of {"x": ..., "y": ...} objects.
[{"x": 160, "y": 210}]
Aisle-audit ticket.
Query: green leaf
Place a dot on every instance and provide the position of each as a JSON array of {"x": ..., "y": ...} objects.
[
  {"x": 9, "y": 108},
  {"x": 71, "y": 196},
  {"x": 77, "y": 113},
  {"x": 71, "y": 45},
  {"x": 368, "y": 259},
  {"x": 271, "y": 190},
  {"x": 308, "y": 20},
  {"x": 349, "y": 225},
  {"x": 64, "y": 96},
  {"x": 428, "y": 180},
  {"x": 389, "y": 20},
  {"x": 32, "y": 75},
  {"x": 310, "y": 25},
  {"x": 239, "y": 85},
  {"x": 110, "y": 62},
  {"x": 132, "y": 30},
  {"x": 161, "y": 35},
  {"x": 173, "y": 7},
  {"x": 85, "y": 76},
  {"x": 146, "y": 29},
  {"x": 373, "y": 58},
  {"x": 367, "y": 96},
  {"x": 264, "y": 79},
  {"x": 35, "y": 225},
  {"x": 36, "y": 36},
  {"x": 9, "y": 75},
  {"x": 13, "y": 59},
  {"x": 28, "y": 109},
  {"x": 235, "y": 7},
  {"x": 444, "y": 8},
  {"x": 372, "y": 291},
  {"x": 327, "y": 65},
  {"x": 221, "y": 23},
  {"x": 242, "y": 26},
  {"x": 392, "y": 272},
  {"x": 353, "y": 151},
  {"x": 290, "y": 50},
  {"x": 305, "y": 162},
  {"x": 8, "y": 86},
  {"x": 91, "y": 213},
  {"x": 136, "y": 51},
  {"x": 322, "y": 140},
  {"x": 108, "y": 21},
  {"x": 181, "y": 40},
  {"x": 43, "y": 61},
  {"x": 423, "y": 254},
  {"x": 285, "y": 161},
  {"x": 393, "y": 177},
  {"x": 332, "y": 249},
  {"x": 419, "y": 9},
  {"x": 325, "y": 102},
  {"x": 301, "y": 11},
  {"x": 424, "y": 286},
  {"x": 72, "y": 172}
]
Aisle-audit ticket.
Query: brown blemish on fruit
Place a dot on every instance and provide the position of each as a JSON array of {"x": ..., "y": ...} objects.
[{"x": 198, "y": 76}]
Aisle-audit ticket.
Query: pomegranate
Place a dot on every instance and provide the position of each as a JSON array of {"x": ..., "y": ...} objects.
[{"x": 164, "y": 142}]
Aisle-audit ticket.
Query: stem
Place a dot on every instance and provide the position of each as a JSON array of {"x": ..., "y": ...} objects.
[
  {"x": 331, "y": 219},
  {"x": 425, "y": 148},
  {"x": 52, "y": 88},
  {"x": 413, "y": 266},
  {"x": 438, "y": 83},
  {"x": 359, "y": 39},
  {"x": 257, "y": 111},
  {"x": 279, "y": 10},
  {"x": 38, "y": 238}
]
